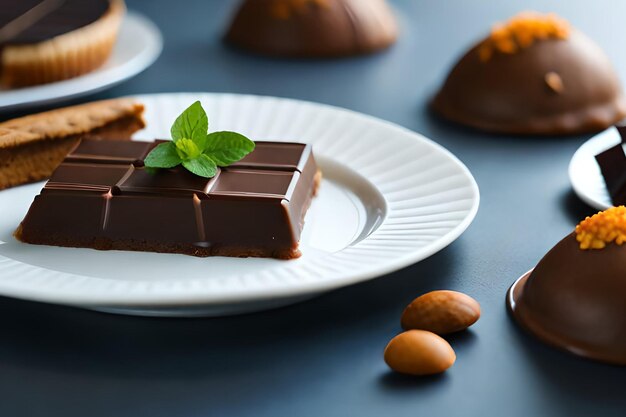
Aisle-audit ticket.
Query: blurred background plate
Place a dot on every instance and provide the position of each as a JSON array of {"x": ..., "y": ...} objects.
[
  {"x": 389, "y": 198},
  {"x": 138, "y": 45}
]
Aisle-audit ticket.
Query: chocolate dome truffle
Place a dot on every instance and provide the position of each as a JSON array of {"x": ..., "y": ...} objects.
[
  {"x": 313, "y": 28},
  {"x": 575, "y": 298},
  {"x": 534, "y": 74}
]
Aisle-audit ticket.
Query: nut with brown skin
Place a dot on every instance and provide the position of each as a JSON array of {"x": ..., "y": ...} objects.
[
  {"x": 419, "y": 352},
  {"x": 441, "y": 312},
  {"x": 554, "y": 82}
]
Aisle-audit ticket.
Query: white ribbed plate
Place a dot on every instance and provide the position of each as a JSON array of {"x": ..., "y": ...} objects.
[
  {"x": 584, "y": 172},
  {"x": 389, "y": 198}
]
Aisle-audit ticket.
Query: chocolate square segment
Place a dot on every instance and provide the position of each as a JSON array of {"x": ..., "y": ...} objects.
[
  {"x": 277, "y": 155},
  {"x": 87, "y": 176},
  {"x": 122, "y": 152},
  {"x": 255, "y": 183},
  {"x": 102, "y": 197},
  {"x": 167, "y": 181}
]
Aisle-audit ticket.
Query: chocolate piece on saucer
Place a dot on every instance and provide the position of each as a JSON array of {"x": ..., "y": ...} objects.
[
  {"x": 43, "y": 41},
  {"x": 612, "y": 164},
  {"x": 31, "y": 147},
  {"x": 313, "y": 28},
  {"x": 533, "y": 75},
  {"x": 574, "y": 298},
  {"x": 102, "y": 197}
]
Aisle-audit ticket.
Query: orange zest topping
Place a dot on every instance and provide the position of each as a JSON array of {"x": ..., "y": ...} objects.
[
  {"x": 521, "y": 31},
  {"x": 284, "y": 9},
  {"x": 605, "y": 227}
]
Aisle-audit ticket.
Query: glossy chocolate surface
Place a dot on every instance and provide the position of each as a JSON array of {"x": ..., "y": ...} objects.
[
  {"x": 313, "y": 28},
  {"x": 123, "y": 152},
  {"x": 574, "y": 300},
  {"x": 510, "y": 93},
  {"x": 103, "y": 197},
  {"x": 44, "y": 20}
]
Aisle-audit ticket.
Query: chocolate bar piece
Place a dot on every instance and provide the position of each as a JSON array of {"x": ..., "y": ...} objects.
[{"x": 102, "y": 197}]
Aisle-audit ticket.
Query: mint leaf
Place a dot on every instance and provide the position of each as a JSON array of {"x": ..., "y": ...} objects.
[
  {"x": 199, "y": 152},
  {"x": 225, "y": 148},
  {"x": 202, "y": 166},
  {"x": 187, "y": 149},
  {"x": 191, "y": 124},
  {"x": 163, "y": 156}
]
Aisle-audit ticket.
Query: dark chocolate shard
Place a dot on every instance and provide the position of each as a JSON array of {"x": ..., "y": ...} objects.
[
  {"x": 103, "y": 197},
  {"x": 612, "y": 164}
]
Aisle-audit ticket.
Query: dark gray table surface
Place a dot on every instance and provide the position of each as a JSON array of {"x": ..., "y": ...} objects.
[{"x": 324, "y": 357}]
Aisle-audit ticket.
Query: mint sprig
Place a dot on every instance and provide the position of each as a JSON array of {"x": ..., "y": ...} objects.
[{"x": 198, "y": 151}]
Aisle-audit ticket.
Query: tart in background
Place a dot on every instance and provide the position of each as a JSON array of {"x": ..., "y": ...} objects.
[{"x": 43, "y": 41}]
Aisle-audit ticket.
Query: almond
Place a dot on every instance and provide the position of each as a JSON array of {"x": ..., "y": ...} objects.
[
  {"x": 441, "y": 312},
  {"x": 418, "y": 352}
]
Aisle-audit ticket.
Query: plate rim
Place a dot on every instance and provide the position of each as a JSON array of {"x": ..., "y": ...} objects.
[
  {"x": 202, "y": 298},
  {"x": 98, "y": 81}
]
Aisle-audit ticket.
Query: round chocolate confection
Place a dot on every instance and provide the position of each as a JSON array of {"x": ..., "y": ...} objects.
[
  {"x": 313, "y": 28},
  {"x": 576, "y": 300},
  {"x": 554, "y": 86}
]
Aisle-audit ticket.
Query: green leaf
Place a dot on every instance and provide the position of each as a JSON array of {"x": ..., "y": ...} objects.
[
  {"x": 187, "y": 149},
  {"x": 202, "y": 166},
  {"x": 199, "y": 152},
  {"x": 191, "y": 124},
  {"x": 163, "y": 156},
  {"x": 226, "y": 148}
]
